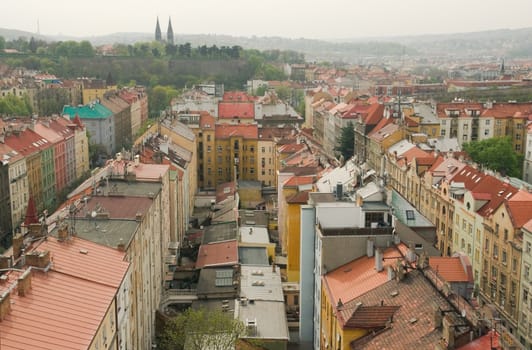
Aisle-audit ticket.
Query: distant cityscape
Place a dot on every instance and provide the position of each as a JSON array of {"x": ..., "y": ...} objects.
[{"x": 376, "y": 202}]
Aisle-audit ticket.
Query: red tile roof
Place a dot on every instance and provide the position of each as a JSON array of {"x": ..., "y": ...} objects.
[
  {"x": 499, "y": 191},
  {"x": 298, "y": 198},
  {"x": 358, "y": 277},
  {"x": 27, "y": 142},
  {"x": 370, "y": 317},
  {"x": 237, "y": 96},
  {"x": 450, "y": 268},
  {"x": 229, "y": 110},
  {"x": 218, "y": 254},
  {"x": 295, "y": 181},
  {"x": 412, "y": 326},
  {"x": 485, "y": 342},
  {"x": 246, "y": 131},
  {"x": 100, "y": 264},
  {"x": 66, "y": 305},
  {"x": 520, "y": 208},
  {"x": 207, "y": 121}
]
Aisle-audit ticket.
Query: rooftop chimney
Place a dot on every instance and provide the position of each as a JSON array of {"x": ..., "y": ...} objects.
[
  {"x": 38, "y": 259},
  {"x": 5, "y": 262},
  {"x": 24, "y": 283},
  {"x": 121, "y": 245},
  {"x": 378, "y": 260},
  {"x": 18, "y": 240},
  {"x": 5, "y": 304}
]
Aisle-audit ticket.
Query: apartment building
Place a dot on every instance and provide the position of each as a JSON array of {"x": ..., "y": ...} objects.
[
  {"x": 128, "y": 210},
  {"x": 54, "y": 272}
]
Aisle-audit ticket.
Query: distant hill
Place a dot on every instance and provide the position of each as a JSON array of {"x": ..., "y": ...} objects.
[{"x": 498, "y": 43}]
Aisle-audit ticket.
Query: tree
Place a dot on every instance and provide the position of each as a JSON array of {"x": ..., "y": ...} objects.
[
  {"x": 495, "y": 154},
  {"x": 2, "y": 42},
  {"x": 346, "y": 141},
  {"x": 201, "y": 329}
]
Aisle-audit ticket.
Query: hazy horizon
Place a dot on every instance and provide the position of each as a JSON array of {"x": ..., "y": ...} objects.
[{"x": 341, "y": 19}]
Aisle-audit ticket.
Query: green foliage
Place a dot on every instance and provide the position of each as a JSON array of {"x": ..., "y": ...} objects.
[
  {"x": 15, "y": 106},
  {"x": 201, "y": 329},
  {"x": 159, "y": 98},
  {"x": 51, "y": 101},
  {"x": 2, "y": 42},
  {"x": 346, "y": 142},
  {"x": 495, "y": 154}
]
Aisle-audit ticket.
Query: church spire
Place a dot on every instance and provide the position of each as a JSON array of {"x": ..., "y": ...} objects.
[
  {"x": 158, "y": 36},
  {"x": 170, "y": 32}
]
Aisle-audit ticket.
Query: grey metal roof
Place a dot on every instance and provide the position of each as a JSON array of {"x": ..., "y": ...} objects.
[
  {"x": 269, "y": 317},
  {"x": 220, "y": 232},
  {"x": 253, "y": 256},
  {"x": 105, "y": 232},
  {"x": 260, "y": 283},
  {"x": 407, "y": 213}
]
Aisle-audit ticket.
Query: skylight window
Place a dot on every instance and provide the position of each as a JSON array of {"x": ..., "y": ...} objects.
[{"x": 410, "y": 215}]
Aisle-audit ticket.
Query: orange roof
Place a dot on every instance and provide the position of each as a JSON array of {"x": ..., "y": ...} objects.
[
  {"x": 519, "y": 208},
  {"x": 298, "y": 181},
  {"x": 228, "y": 110},
  {"x": 488, "y": 341},
  {"x": 100, "y": 264},
  {"x": 449, "y": 268},
  {"x": 217, "y": 254},
  {"x": 247, "y": 131},
  {"x": 66, "y": 305},
  {"x": 207, "y": 121},
  {"x": 353, "y": 279}
]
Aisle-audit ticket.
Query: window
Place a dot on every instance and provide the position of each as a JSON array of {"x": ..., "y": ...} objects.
[
  {"x": 495, "y": 251},
  {"x": 219, "y": 148},
  {"x": 517, "y": 147},
  {"x": 443, "y": 132},
  {"x": 219, "y": 171},
  {"x": 505, "y": 234},
  {"x": 252, "y": 170},
  {"x": 528, "y": 247},
  {"x": 487, "y": 122},
  {"x": 504, "y": 257},
  {"x": 208, "y": 148},
  {"x": 486, "y": 132},
  {"x": 208, "y": 138},
  {"x": 263, "y": 149}
]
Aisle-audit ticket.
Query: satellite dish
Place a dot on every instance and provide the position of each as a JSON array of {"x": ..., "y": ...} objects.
[{"x": 93, "y": 214}]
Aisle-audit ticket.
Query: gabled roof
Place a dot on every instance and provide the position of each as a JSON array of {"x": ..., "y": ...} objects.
[
  {"x": 499, "y": 191},
  {"x": 217, "y": 254},
  {"x": 520, "y": 208}
]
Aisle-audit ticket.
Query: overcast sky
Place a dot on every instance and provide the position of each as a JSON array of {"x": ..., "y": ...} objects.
[{"x": 286, "y": 18}]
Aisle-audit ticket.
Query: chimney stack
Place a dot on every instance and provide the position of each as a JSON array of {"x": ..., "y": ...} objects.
[
  {"x": 121, "y": 245},
  {"x": 5, "y": 262},
  {"x": 38, "y": 259},
  {"x": 400, "y": 270},
  {"x": 24, "y": 283},
  {"x": 18, "y": 240},
  {"x": 5, "y": 304},
  {"x": 378, "y": 260}
]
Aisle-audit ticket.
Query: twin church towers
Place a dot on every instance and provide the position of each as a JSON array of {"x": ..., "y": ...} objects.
[{"x": 169, "y": 32}]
